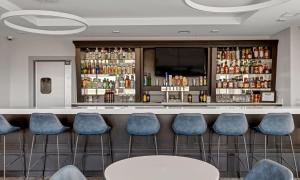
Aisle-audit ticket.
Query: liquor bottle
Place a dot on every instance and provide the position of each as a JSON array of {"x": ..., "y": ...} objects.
[
  {"x": 261, "y": 52},
  {"x": 127, "y": 82},
  {"x": 230, "y": 83},
  {"x": 205, "y": 81},
  {"x": 93, "y": 67},
  {"x": 218, "y": 69},
  {"x": 205, "y": 97},
  {"x": 243, "y": 53},
  {"x": 190, "y": 98},
  {"x": 260, "y": 68},
  {"x": 223, "y": 54},
  {"x": 255, "y": 52},
  {"x": 145, "y": 79},
  {"x": 201, "y": 81},
  {"x": 132, "y": 84},
  {"x": 237, "y": 53},
  {"x": 225, "y": 83},
  {"x": 249, "y": 54},
  {"x": 266, "y": 53},
  {"x": 226, "y": 70},
  {"x": 219, "y": 83},
  {"x": 148, "y": 97},
  {"x": 246, "y": 83},
  {"x": 221, "y": 69},
  {"x": 148, "y": 79},
  {"x": 231, "y": 68},
  {"x": 201, "y": 97},
  {"x": 145, "y": 97},
  {"x": 219, "y": 54}
]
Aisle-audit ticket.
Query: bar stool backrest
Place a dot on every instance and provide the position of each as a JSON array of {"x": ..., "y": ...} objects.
[
  {"x": 4, "y": 124},
  {"x": 44, "y": 122},
  {"x": 189, "y": 124},
  {"x": 269, "y": 170},
  {"x": 277, "y": 124},
  {"x": 234, "y": 124},
  {"x": 89, "y": 122},
  {"x": 68, "y": 172},
  {"x": 143, "y": 124}
]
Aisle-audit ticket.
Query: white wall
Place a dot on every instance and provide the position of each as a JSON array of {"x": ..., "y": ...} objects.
[
  {"x": 20, "y": 51},
  {"x": 283, "y": 82},
  {"x": 4, "y": 73},
  {"x": 295, "y": 64},
  {"x": 14, "y": 65}
]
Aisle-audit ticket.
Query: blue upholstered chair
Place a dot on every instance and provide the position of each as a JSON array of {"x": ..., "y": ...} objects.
[
  {"x": 142, "y": 124},
  {"x": 269, "y": 170},
  {"x": 190, "y": 124},
  {"x": 45, "y": 124},
  {"x": 5, "y": 129},
  {"x": 231, "y": 124},
  {"x": 86, "y": 124},
  {"x": 68, "y": 172},
  {"x": 276, "y": 124}
]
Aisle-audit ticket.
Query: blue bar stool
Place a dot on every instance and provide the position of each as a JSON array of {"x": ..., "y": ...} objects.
[
  {"x": 280, "y": 125},
  {"x": 68, "y": 172},
  {"x": 45, "y": 124},
  {"x": 5, "y": 129},
  {"x": 87, "y": 124},
  {"x": 142, "y": 124},
  {"x": 269, "y": 170},
  {"x": 190, "y": 124},
  {"x": 231, "y": 124}
]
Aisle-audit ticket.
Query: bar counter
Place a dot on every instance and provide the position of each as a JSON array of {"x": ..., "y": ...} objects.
[
  {"x": 157, "y": 109},
  {"x": 116, "y": 116}
]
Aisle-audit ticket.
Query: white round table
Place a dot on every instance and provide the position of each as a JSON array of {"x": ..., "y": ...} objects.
[{"x": 161, "y": 168}]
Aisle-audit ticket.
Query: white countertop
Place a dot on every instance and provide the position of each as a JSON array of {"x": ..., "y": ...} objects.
[{"x": 155, "y": 109}]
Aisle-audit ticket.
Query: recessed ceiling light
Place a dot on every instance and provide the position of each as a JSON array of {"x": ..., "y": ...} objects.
[
  {"x": 282, "y": 19},
  {"x": 289, "y": 14},
  {"x": 184, "y": 32},
  {"x": 115, "y": 31},
  {"x": 215, "y": 31}
]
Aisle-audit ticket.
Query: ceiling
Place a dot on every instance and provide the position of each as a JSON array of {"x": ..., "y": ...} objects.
[{"x": 155, "y": 18}]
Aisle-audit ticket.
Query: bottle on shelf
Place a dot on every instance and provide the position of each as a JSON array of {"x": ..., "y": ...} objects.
[
  {"x": 190, "y": 98},
  {"x": 145, "y": 97}
]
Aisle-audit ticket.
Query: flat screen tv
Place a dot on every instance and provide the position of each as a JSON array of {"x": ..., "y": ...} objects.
[{"x": 181, "y": 61}]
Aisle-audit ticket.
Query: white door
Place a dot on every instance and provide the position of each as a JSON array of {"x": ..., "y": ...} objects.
[{"x": 49, "y": 83}]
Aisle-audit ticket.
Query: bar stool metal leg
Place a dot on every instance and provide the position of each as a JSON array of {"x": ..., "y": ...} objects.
[
  {"x": 57, "y": 146},
  {"x": 281, "y": 157},
  {"x": 292, "y": 146},
  {"x": 84, "y": 154},
  {"x": 265, "y": 146},
  {"x": 30, "y": 157},
  {"x": 246, "y": 152},
  {"x": 253, "y": 149},
  {"x": 130, "y": 145},
  {"x": 218, "y": 151},
  {"x": 22, "y": 151},
  {"x": 176, "y": 144},
  {"x": 110, "y": 148},
  {"x": 4, "y": 164},
  {"x": 75, "y": 151},
  {"x": 155, "y": 143},
  {"x": 45, "y": 155},
  {"x": 102, "y": 153},
  {"x": 203, "y": 148}
]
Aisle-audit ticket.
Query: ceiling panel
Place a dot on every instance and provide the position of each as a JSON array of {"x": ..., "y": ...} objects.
[{"x": 118, "y": 8}]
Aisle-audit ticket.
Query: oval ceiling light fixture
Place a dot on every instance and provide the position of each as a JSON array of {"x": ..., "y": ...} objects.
[
  {"x": 83, "y": 23},
  {"x": 234, "y": 9}
]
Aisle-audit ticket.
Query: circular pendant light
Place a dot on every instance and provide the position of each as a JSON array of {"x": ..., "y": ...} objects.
[
  {"x": 234, "y": 9},
  {"x": 83, "y": 23}
]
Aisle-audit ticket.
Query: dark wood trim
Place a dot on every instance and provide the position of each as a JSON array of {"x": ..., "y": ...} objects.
[
  {"x": 140, "y": 46},
  {"x": 175, "y": 43},
  {"x": 213, "y": 73},
  {"x": 78, "y": 74}
]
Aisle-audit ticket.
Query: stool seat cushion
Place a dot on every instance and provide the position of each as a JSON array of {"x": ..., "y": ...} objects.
[
  {"x": 142, "y": 124},
  {"x": 46, "y": 124},
  {"x": 6, "y": 127},
  {"x": 90, "y": 124},
  {"x": 68, "y": 172},
  {"x": 189, "y": 124},
  {"x": 231, "y": 124},
  {"x": 269, "y": 170},
  {"x": 277, "y": 124}
]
